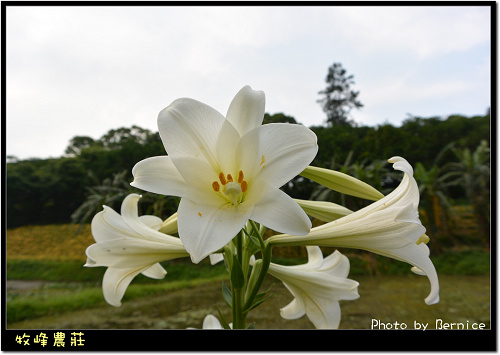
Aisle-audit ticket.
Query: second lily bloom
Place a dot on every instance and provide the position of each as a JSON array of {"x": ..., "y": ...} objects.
[{"x": 388, "y": 227}]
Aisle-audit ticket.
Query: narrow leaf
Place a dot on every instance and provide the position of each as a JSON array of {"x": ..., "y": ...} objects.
[
  {"x": 226, "y": 294},
  {"x": 261, "y": 297},
  {"x": 223, "y": 322}
]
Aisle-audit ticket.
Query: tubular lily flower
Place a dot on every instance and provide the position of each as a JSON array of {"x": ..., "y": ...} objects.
[
  {"x": 389, "y": 227},
  {"x": 337, "y": 181},
  {"x": 317, "y": 286},
  {"x": 323, "y": 210},
  {"x": 227, "y": 170},
  {"x": 169, "y": 226},
  {"x": 129, "y": 245}
]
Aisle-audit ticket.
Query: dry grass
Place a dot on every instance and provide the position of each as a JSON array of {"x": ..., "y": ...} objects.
[{"x": 50, "y": 242}]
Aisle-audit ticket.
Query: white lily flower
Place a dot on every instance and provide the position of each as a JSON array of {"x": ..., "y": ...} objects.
[
  {"x": 211, "y": 322},
  {"x": 129, "y": 245},
  {"x": 317, "y": 286},
  {"x": 389, "y": 227},
  {"x": 227, "y": 170}
]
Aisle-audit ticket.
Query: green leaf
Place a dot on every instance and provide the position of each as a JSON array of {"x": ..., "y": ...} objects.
[
  {"x": 223, "y": 322},
  {"x": 237, "y": 277},
  {"x": 253, "y": 239},
  {"x": 226, "y": 294},
  {"x": 251, "y": 326},
  {"x": 261, "y": 297}
]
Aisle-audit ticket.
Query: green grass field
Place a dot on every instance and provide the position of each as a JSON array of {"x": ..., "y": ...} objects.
[{"x": 68, "y": 295}]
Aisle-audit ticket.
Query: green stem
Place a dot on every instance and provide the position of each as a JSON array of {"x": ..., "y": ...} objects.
[
  {"x": 239, "y": 246},
  {"x": 239, "y": 317},
  {"x": 238, "y": 282},
  {"x": 266, "y": 260}
]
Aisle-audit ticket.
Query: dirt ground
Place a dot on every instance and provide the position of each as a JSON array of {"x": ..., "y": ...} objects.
[{"x": 387, "y": 299}]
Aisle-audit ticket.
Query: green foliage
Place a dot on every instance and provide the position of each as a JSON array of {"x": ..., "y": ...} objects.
[
  {"x": 472, "y": 172},
  {"x": 450, "y": 262},
  {"x": 42, "y": 191}
]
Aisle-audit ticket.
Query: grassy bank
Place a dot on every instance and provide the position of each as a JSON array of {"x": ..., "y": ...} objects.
[
  {"x": 385, "y": 298},
  {"x": 465, "y": 262},
  {"x": 55, "y": 256}
]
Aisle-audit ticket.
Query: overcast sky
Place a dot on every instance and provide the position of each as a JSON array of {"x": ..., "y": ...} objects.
[{"x": 81, "y": 71}]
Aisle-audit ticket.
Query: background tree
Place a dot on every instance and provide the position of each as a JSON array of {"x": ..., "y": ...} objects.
[
  {"x": 339, "y": 99},
  {"x": 77, "y": 144},
  {"x": 47, "y": 191},
  {"x": 278, "y": 118},
  {"x": 473, "y": 174}
]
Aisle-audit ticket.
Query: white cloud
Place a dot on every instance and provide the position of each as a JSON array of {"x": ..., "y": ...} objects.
[
  {"x": 85, "y": 70},
  {"x": 422, "y": 31}
]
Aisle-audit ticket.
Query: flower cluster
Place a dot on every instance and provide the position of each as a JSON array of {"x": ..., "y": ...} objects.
[{"x": 227, "y": 171}]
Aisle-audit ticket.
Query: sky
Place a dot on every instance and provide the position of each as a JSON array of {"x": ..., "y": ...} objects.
[{"x": 82, "y": 71}]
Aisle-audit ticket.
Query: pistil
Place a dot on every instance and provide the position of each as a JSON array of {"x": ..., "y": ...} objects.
[{"x": 232, "y": 189}]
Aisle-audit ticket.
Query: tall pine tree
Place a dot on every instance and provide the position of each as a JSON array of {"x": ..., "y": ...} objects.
[{"x": 339, "y": 99}]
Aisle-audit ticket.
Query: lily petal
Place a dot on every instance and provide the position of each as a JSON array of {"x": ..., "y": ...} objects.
[
  {"x": 277, "y": 152},
  {"x": 108, "y": 225},
  {"x": 225, "y": 147},
  {"x": 160, "y": 176},
  {"x": 204, "y": 230},
  {"x": 152, "y": 222},
  {"x": 156, "y": 271},
  {"x": 189, "y": 128},
  {"x": 295, "y": 309},
  {"x": 211, "y": 322},
  {"x": 123, "y": 253},
  {"x": 280, "y": 212},
  {"x": 116, "y": 281},
  {"x": 246, "y": 111},
  {"x": 129, "y": 212}
]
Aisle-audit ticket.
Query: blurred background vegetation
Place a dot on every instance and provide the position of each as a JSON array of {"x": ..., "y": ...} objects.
[{"x": 450, "y": 157}]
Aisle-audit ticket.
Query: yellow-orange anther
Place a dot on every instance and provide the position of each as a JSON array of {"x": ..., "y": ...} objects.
[
  {"x": 244, "y": 186},
  {"x": 240, "y": 177},
  {"x": 222, "y": 179},
  {"x": 229, "y": 178},
  {"x": 216, "y": 186}
]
